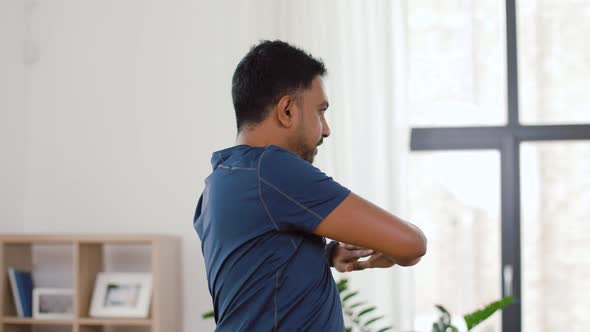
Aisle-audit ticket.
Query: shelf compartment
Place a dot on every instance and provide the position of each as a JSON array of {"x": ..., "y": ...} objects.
[
  {"x": 92, "y": 258},
  {"x": 51, "y": 261}
]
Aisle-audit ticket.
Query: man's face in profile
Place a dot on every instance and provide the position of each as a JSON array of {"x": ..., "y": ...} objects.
[{"x": 312, "y": 126}]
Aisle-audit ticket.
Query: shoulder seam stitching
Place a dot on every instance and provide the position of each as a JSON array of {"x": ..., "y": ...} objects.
[
  {"x": 237, "y": 168},
  {"x": 260, "y": 193}
]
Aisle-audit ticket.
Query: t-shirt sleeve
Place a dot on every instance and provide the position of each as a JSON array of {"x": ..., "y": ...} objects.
[{"x": 296, "y": 194}]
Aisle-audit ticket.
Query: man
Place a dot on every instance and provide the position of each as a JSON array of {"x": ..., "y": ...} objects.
[{"x": 266, "y": 209}]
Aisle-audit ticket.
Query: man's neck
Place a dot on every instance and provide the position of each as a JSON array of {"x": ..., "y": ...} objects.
[{"x": 259, "y": 138}]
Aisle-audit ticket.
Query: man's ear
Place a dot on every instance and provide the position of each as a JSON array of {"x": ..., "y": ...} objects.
[{"x": 286, "y": 111}]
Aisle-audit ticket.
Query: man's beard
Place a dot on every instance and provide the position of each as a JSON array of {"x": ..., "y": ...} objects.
[{"x": 306, "y": 153}]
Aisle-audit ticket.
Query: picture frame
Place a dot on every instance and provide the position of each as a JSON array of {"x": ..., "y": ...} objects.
[
  {"x": 121, "y": 295},
  {"x": 53, "y": 303}
]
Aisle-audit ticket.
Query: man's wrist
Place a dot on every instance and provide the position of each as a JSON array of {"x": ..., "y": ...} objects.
[{"x": 330, "y": 252}]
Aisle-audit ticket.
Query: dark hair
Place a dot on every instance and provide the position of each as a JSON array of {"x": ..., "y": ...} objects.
[{"x": 270, "y": 70}]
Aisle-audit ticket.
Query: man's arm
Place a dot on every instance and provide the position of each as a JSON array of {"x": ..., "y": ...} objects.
[{"x": 362, "y": 223}]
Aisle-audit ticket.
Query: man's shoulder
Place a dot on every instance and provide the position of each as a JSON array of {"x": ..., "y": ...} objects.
[{"x": 279, "y": 162}]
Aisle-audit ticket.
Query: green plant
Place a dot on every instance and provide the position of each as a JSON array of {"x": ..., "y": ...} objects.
[
  {"x": 359, "y": 313},
  {"x": 479, "y": 316},
  {"x": 471, "y": 320},
  {"x": 208, "y": 314},
  {"x": 444, "y": 322}
]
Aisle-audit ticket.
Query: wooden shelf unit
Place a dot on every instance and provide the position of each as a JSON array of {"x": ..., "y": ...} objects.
[{"x": 16, "y": 250}]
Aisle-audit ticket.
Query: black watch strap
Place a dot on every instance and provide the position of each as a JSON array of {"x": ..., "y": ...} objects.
[{"x": 330, "y": 250}]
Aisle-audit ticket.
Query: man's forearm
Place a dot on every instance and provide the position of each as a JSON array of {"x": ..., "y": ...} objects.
[
  {"x": 404, "y": 262},
  {"x": 409, "y": 262}
]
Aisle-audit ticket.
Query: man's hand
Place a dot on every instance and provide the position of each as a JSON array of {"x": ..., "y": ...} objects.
[{"x": 346, "y": 257}]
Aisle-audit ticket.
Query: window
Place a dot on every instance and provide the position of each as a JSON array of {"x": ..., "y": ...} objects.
[
  {"x": 552, "y": 237},
  {"x": 456, "y": 62},
  {"x": 553, "y": 61}
]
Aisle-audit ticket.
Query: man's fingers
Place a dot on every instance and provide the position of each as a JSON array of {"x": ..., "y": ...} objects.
[
  {"x": 351, "y": 267},
  {"x": 350, "y": 246},
  {"x": 363, "y": 253},
  {"x": 353, "y": 255},
  {"x": 357, "y": 266}
]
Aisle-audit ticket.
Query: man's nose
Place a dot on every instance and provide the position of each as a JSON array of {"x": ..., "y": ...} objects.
[{"x": 326, "y": 130}]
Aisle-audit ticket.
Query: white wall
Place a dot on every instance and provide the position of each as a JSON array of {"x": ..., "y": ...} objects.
[
  {"x": 127, "y": 101},
  {"x": 12, "y": 115}
]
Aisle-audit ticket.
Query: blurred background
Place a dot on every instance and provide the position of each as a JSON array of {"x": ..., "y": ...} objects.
[{"x": 110, "y": 110}]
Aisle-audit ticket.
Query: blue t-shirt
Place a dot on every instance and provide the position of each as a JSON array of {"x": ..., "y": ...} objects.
[{"x": 266, "y": 270}]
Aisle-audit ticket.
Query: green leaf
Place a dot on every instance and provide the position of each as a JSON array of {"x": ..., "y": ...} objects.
[
  {"x": 209, "y": 314},
  {"x": 357, "y": 304},
  {"x": 441, "y": 308},
  {"x": 371, "y": 321},
  {"x": 366, "y": 311},
  {"x": 446, "y": 316},
  {"x": 344, "y": 299},
  {"x": 342, "y": 285},
  {"x": 385, "y": 329},
  {"x": 476, "y": 317},
  {"x": 349, "y": 329},
  {"x": 436, "y": 328}
]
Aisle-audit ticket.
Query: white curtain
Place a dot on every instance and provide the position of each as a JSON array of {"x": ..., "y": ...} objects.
[{"x": 362, "y": 44}]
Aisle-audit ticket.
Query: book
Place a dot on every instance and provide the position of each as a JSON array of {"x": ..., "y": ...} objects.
[{"x": 21, "y": 283}]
